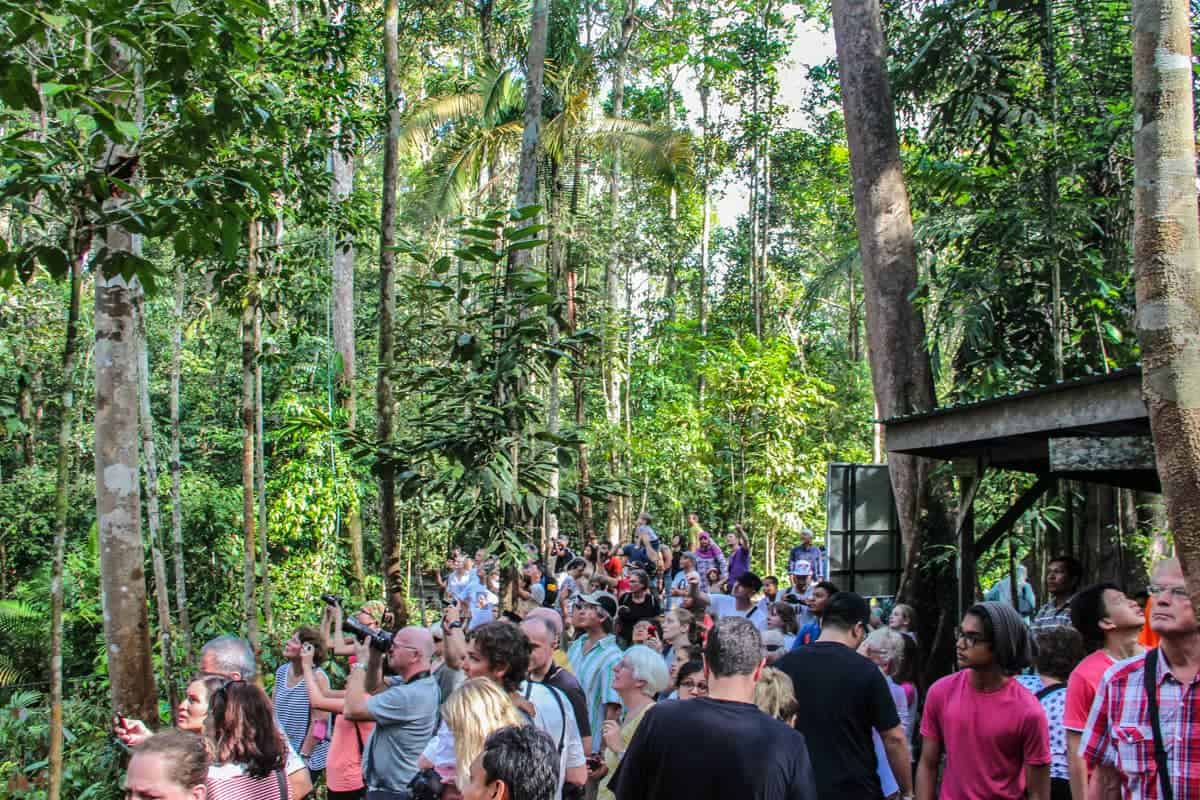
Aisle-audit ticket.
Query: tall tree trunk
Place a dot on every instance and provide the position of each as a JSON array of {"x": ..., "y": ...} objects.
[
  {"x": 181, "y": 604},
  {"x": 260, "y": 480},
  {"x": 343, "y": 329},
  {"x": 162, "y": 597},
  {"x": 118, "y": 506},
  {"x": 706, "y": 221},
  {"x": 1166, "y": 252},
  {"x": 392, "y": 573},
  {"x": 61, "y": 494},
  {"x": 26, "y": 453},
  {"x": 249, "y": 359},
  {"x": 556, "y": 267},
  {"x": 578, "y": 368},
  {"x": 535, "y": 65},
  {"x": 900, "y": 367}
]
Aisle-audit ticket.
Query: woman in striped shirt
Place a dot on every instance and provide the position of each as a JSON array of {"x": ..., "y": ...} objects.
[{"x": 306, "y": 728}]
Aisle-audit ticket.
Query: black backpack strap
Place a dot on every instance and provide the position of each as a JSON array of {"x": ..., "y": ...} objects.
[
  {"x": 1046, "y": 691},
  {"x": 1150, "y": 673},
  {"x": 283, "y": 787}
]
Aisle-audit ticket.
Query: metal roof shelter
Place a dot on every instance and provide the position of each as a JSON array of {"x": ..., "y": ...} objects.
[{"x": 1094, "y": 429}]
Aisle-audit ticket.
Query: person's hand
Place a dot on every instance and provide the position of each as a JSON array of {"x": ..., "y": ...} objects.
[
  {"x": 599, "y": 772},
  {"x": 338, "y": 615},
  {"x": 693, "y": 578},
  {"x": 130, "y": 732},
  {"x": 326, "y": 614},
  {"x": 306, "y": 656},
  {"x": 450, "y": 615},
  {"x": 653, "y": 642},
  {"x": 362, "y": 650},
  {"x": 612, "y": 735}
]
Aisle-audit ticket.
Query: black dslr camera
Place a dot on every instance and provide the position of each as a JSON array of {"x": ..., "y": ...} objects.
[
  {"x": 332, "y": 599},
  {"x": 380, "y": 640}
]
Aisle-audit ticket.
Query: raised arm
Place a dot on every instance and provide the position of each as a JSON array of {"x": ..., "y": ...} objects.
[{"x": 320, "y": 696}]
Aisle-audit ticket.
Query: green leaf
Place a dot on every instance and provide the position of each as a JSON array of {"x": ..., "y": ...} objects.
[
  {"x": 528, "y": 244},
  {"x": 51, "y": 89},
  {"x": 525, "y": 212}
]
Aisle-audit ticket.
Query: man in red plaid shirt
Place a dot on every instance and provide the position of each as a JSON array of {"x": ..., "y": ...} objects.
[{"x": 1119, "y": 738}]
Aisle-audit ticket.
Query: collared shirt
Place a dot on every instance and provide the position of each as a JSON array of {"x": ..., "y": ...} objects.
[
  {"x": 1052, "y": 615},
  {"x": 1118, "y": 733},
  {"x": 594, "y": 669}
]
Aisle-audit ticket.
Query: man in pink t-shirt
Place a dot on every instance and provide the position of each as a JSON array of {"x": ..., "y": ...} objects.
[
  {"x": 992, "y": 730},
  {"x": 1109, "y": 621}
]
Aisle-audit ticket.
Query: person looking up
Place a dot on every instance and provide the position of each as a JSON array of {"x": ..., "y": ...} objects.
[
  {"x": 648, "y": 542},
  {"x": 517, "y": 763},
  {"x": 638, "y": 604},
  {"x": 637, "y": 679},
  {"x": 568, "y": 587},
  {"x": 1062, "y": 581},
  {"x": 544, "y": 632},
  {"x": 593, "y": 656},
  {"x": 460, "y": 585},
  {"x": 708, "y": 558},
  {"x": 249, "y": 753},
  {"x": 822, "y": 593},
  {"x": 679, "y": 583},
  {"x": 1126, "y": 766},
  {"x": 343, "y": 766},
  {"x": 172, "y": 765},
  {"x": 992, "y": 731},
  {"x": 753, "y": 756},
  {"x": 306, "y": 728},
  {"x": 404, "y": 713},
  {"x": 679, "y": 629},
  {"x": 806, "y": 551},
  {"x": 903, "y": 619},
  {"x": 845, "y": 697},
  {"x": 739, "y": 553},
  {"x": 560, "y": 556},
  {"x": 1109, "y": 623},
  {"x": 1058, "y": 652}
]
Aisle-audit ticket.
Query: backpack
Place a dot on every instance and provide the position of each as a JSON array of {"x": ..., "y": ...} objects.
[{"x": 550, "y": 584}]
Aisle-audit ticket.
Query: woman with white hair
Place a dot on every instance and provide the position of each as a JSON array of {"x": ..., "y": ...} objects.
[
  {"x": 885, "y": 647},
  {"x": 638, "y": 678}
]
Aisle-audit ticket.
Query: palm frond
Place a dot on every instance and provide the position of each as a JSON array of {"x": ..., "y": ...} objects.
[{"x": 661, "y": 152}]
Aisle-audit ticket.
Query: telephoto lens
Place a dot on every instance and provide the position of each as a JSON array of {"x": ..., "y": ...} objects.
[
  {"x": 332, "y": 599},
  {"x": 380, "y": 640}
]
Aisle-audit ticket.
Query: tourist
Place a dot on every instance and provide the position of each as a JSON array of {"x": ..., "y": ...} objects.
[
  {"x": 517, "y": 763},
  {"x": 1139, "y": 768},
  {"x": 806, "y": 551},
  {"x": 782, "y": 617},
  {"x": 473, "y": 711},
  {"x": 636, "y": 605},
  {"x": 907, "y": 677},
  {"x": 343, "y": 766},
  {"x": 306, "y": 728},
  {"x": 690, "y": 681},
  {"x": 770, "y": 592},
  {"x": 544, "y": 632},
  {"x": 680, "y": 587},
  {"x": 679, "y": 629},
  {"x": 694, "y": 530},
  {"x": 249, "y": 753},
  {"x": 193, "y": 708},
  {"x": 531, "y": 592},
  {"x": 799, "y": 594},
  {"x": 1062, "y": 581},
  {"x": 462, "y": 581},
  {"x": 568, "y": 587},
  {"x": 843, "y": 697},
  {"x": 822, "y": 593},
  {"x": 993, "y": 732},
  {"x": 740, "y": 603},
  {"x": 637, "y": 679},
  {"x": 680, "y": 655},
  {"x": 720, "y": 746},
  {"x": 713, "y": 582},
  {"x": 1058, "y": 652},
  {"x": 1109, "y": 623},
  {"x": 648, "y": 542},
  {"x": 593, "y": 656},
  {"x": 739, "y": 553},
  {"x": 1001, "y": 592},
  {"x": 775, "y": 696},
  {"x": 172, "y": 765},
  {"x": 884, "y": 648},
  {"x": 501, "y": 651},
  {"x": 560, "y": 556},
  {"x": 405, "y": 712},
  {"x": 449, "y": 652},
  {"x": 903, "y": 619},
  {"x": 708, "y": 558}
]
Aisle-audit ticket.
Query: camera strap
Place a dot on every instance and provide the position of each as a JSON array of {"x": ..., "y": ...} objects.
[{"x": 562, "y": 713}]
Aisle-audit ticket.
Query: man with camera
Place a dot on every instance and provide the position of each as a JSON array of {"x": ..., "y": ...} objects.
[{"x": 405, "y": 712}]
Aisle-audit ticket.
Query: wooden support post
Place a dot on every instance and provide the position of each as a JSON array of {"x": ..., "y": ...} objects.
[{"x": 970, "y": 476}]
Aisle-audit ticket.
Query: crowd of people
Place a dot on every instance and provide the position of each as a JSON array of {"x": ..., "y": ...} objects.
[{"x": 658, "y": 670}]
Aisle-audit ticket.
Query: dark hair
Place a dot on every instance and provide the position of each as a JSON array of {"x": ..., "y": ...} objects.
[
  {"x": 503, "y": 643},
  {"x": 750, "y": 581},
  {"x": 1059, "y": 651},
  {"x": 688, "y": 669},
  {"x": 575, "y": 563},
  {"x": 524, "y": 759},
  {"x": 734, "y": 647},
  {"x": 642, "y": 577},
  {"x": 787, "y": 613},
  {"x": 310, "y": 634},
  {"x": 830, "y": 587},
  {"x": 845, "y": 610},
  {"x": 909, "y": 669},
  {"x": 242, "y": 729},
  {"x": 770, "y": 579},
  {"x": 185, "y": 756},
  {"x": 1074, "y": 568},
  {"x": 1087, "y": 609},
  {"x": 1013, "y": 646},
  {"x": 595, "y": 552}
]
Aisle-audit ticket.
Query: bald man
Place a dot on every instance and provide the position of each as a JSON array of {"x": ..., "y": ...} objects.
[{"x": 405, "y": 712}]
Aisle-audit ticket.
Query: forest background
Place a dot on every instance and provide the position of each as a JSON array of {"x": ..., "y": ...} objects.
[{"x": 557, "y": 368}]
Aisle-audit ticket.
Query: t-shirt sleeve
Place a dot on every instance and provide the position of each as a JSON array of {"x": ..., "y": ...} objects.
[
  {"x": 931, "y": 717},
  {"x": 1097, "y": 747},
  {"x": 392, "y": 706},
  {"x": 1037, "y": 735},
  {"x": 1080, "y": 694},
  {"x": 884, "y": 715}
]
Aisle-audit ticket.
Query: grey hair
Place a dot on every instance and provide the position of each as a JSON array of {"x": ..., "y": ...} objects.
[
  {"x": 890, "y": 644},
  {"x": 232, "y": 654},
  {"x": 647, "y": 666},
  {"x": 734, "y": 647}
]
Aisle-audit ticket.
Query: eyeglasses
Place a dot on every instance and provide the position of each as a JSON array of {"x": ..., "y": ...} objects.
[
  {"x": 1176, "y": 592},
  {"x": 970, "y": 637},
  {"x": 695, "y": 687}
]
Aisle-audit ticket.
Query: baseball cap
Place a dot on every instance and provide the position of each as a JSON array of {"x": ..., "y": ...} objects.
[
  {"x": 801, "y": 568},
  {"x": 606, "y": 602}
]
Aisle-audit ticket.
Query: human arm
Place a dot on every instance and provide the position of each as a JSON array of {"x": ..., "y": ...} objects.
[
  {"x": 1037, "y": 781},
  {"x": 454, "y": 647},
  {"x": 1105, "y": 784},
  {"x": 1076, "y": 767},
  {"x": 320, "y": 696},
  {"x": 327, "y": 626},
  {"x": 130, "y": 732},
  {"x": 300, "y": 783},
  {"x": 365, "y": 675},
  {"x": 899, "y": 757},
  {"x": 927, "y": 768},
  {"x": 315, "y": 716}
]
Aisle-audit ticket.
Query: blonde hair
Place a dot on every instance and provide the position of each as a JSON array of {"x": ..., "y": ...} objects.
[
  {"x": 910, "y": 614},
  {"x": 472, "y": 711},
  {"x": 890, "y": 646},
  {"x": 775, "y": 695}
]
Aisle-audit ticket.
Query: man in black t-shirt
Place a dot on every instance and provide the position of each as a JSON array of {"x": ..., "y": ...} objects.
[
  {"x": 720, "y": 746},
  {"x": 843, "y": 696}
]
